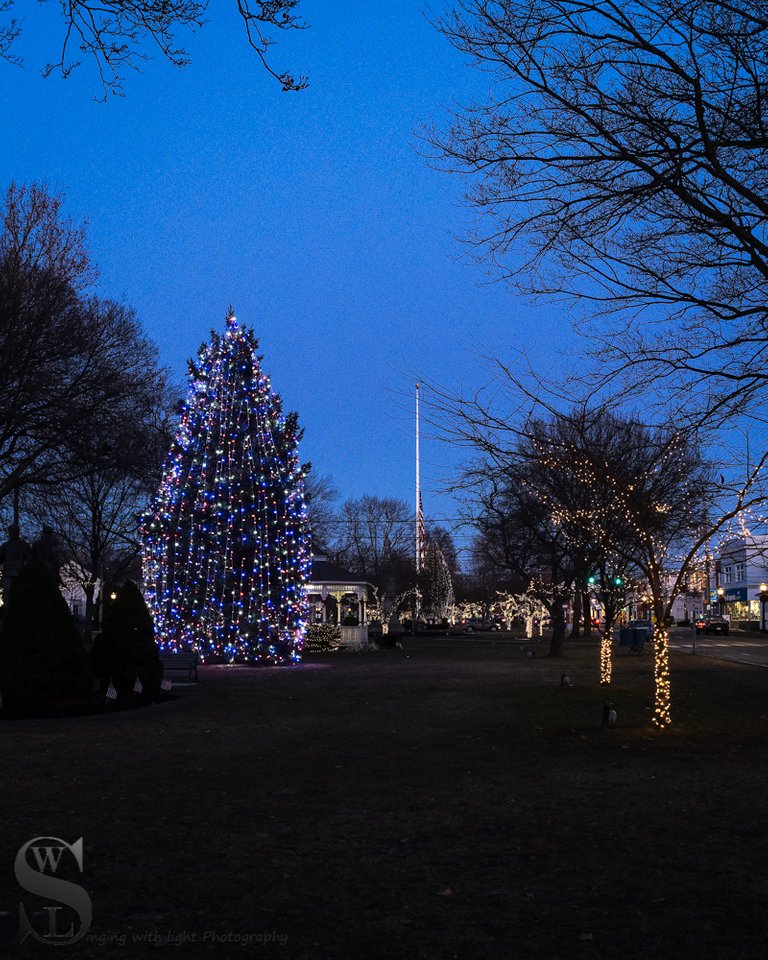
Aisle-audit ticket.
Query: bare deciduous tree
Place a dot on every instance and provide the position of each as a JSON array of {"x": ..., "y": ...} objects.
[
  {"x": 621, "y": 159},
  {"x": 557, "y": 487},
  {"x": 116, "y": 35},
  {"x": 633, "y": 497},
  {"x": 10, "y": 29},
  {"x": 97, "y": 511},
  {"x": 375, "y": 536},
  {"x": 72, "y": 367},
  {"x": 36, "y": 237},
  {"x": 518, "y": 535},
  {"x": 320, "y": 495}
]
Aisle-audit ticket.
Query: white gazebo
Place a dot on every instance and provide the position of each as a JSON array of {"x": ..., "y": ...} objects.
[{"x": 335, "y": 596}]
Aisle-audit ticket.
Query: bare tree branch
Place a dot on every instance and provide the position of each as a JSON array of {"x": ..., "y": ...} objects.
[
  {"x": 118, "y": 35},
  {"x": 620, "y": 160}
]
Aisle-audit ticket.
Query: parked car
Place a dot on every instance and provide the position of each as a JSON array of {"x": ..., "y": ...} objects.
[
  {"x": 475, "y": 623},
  {"x": 713, "y": 625}
]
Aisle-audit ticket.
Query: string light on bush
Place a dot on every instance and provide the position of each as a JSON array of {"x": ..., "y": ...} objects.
[{"x": 226, "y": 552}]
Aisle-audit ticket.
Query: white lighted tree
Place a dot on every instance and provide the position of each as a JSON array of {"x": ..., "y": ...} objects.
[{"x": 436, "y": 584}]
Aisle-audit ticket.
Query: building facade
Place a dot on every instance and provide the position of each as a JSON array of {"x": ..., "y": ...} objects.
[{"x": 739, "y": 571}]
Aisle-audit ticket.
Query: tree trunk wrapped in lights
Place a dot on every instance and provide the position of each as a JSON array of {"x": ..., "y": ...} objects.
[
  {"x": 226, "y": 548},
  {"x": 661, "y": 710},
  {"x": 606, "y": 658},
  {"x": 595, "y": 487},
  {"x": 613, "y": 599}
]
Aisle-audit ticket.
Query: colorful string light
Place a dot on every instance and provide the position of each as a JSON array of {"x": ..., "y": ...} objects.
[{"x": 226, "y": 551}]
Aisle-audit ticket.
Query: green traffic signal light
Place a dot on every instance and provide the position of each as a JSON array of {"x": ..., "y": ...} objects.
[
  {"x": 618, "y": 581},
  {"x": 591, "y": 580}
]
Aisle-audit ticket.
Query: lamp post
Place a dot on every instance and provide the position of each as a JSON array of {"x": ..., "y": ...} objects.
[
  {"x": 763, "y": 599},
  {"x": 721, "y": 599},
  {"x": 645, "y": 602}
]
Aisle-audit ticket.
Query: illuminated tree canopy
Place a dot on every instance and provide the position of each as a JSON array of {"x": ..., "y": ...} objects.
[{"x": 226, "y": 553}]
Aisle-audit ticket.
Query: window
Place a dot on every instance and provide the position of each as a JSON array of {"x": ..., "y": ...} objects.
[
  {"x": 738, "y": 572},
  {"x": 727, "y": 574}
]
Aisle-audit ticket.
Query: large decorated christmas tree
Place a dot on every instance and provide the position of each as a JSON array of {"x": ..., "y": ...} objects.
[{"x": 226, "y": 551}]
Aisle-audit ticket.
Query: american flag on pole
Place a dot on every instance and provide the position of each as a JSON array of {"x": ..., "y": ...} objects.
[{"x": 111, "y": 692}]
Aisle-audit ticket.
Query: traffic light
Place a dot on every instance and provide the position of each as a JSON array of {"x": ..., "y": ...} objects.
[
  {"x": 617, "y": 581},
  {"x": 592, "y": 580}
]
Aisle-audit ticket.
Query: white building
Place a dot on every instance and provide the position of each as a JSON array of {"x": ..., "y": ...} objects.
[
  {"x": 739, "y": 571},
  {"x": 72, "y": 577}
]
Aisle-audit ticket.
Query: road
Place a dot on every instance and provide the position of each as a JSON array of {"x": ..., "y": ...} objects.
[{"x": 744, "y": 649}]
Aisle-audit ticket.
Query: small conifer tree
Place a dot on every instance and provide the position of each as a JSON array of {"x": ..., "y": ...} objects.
[
  {"x": 42, "y": 660},
  {"x": 125, "y": 650}
]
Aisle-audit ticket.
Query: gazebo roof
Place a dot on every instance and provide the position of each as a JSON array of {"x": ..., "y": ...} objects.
[{"x": 323, "y": 571}]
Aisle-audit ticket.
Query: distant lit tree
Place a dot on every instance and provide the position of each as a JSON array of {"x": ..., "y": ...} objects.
[{"x": 436, "y": 584}]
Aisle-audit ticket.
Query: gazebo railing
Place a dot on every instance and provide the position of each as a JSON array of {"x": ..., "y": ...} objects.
[{"x": 354, "y": 638}]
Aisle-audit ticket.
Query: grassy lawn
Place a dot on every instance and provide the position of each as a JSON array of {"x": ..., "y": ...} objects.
[{"x": 451, "y": 799}]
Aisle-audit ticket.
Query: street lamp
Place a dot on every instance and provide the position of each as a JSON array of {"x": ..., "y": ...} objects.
[
  {"x": 645, "y": 602},
  {"x": 721, "y": 599},
  {"x": 763, "y": 599}
]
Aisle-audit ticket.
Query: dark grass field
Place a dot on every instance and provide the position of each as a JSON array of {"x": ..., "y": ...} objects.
[{"x": 450, "y": 800}]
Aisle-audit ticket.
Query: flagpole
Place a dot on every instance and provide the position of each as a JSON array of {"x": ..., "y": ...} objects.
[{"x": 418, "y": 490}]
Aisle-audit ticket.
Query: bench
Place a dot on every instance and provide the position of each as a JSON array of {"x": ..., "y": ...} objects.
[{"x": 184, "y": 664}]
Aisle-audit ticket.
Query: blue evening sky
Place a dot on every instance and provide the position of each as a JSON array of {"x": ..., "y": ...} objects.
[{"x": 312, "y": 213}]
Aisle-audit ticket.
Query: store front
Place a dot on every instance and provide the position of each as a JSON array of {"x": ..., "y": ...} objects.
[{"x": 741, "y": 609}]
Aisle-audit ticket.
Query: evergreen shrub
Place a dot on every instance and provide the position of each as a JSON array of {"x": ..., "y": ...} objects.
[
  {"x": 322, "y": 638},
  {"x": 42, "y": 659},
  {"x": 126, "y": 649}
]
